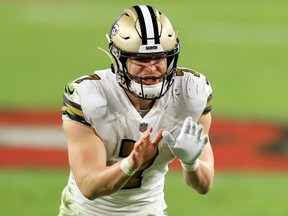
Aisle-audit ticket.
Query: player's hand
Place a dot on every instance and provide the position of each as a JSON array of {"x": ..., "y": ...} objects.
[
  {"x": 144, "y": 148},
  {"x": 189, "y": 144}
]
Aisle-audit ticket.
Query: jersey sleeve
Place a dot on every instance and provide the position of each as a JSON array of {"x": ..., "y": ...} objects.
[{"x": 71, "y": 109}]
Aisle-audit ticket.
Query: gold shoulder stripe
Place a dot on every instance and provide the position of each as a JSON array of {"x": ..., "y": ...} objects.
[
  {"x": 74, "y": 110},
  {"x": 71, "y": 103},
  {"x": 74, "y": 107},
  {"x": 65, "y": 111}
]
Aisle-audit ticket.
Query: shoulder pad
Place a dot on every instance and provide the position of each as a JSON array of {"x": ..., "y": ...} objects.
[
  {"x": 92, "y": 98},
  {"x": 197, "y": 89},
  {"x": 196, "y": 82}
]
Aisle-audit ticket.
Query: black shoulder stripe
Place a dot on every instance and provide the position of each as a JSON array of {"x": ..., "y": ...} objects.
[
  {"x": 208, "y": 107},
  {"x": 73, "y": 111},
  {"x": 71, "y": 103},
  {"x": 209, "y": 98}
]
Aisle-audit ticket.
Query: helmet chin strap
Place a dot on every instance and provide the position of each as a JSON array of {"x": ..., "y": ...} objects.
[{"x": 146, "y": 91}]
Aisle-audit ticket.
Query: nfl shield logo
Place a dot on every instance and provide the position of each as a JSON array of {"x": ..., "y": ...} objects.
[{"x": 143, "y": 127}]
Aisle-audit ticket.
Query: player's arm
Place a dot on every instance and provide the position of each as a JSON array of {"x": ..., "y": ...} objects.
[
  {"x": 193, "y": 149},
  {"x": 87, "y": 159},
  {"x": 202, "y": 178}
]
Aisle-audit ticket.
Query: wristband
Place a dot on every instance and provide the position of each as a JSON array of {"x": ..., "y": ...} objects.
[
  {"x": 190, "y": 167},
  {"x": 126, "y": 168}
]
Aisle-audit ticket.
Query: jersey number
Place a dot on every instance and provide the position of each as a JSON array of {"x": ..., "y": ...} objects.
[
  {"x": 180, "y": 72},
  {"x": 135, "y": 181},
  {"x": 89, "y": 77}
]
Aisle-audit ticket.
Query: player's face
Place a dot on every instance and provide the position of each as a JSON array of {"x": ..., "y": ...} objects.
[{"x": 150, "y": 69}]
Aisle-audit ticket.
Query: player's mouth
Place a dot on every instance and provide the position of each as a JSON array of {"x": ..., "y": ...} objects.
[{"x": 150, "y": 80}]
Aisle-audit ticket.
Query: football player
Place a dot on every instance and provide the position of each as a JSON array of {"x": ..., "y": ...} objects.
[{"x": 125, "y": 124}]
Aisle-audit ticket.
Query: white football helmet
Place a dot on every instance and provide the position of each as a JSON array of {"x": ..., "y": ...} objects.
[{"x": 143, "y": 32}]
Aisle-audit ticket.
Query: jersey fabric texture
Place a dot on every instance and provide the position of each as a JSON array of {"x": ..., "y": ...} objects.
[{"x": 98, "y": 101}]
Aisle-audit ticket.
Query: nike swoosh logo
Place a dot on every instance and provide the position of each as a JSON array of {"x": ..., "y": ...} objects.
[{"x": 69, "y": 90}]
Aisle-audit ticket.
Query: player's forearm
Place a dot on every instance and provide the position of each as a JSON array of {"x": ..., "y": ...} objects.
[
  {"x": 201, "y": 179},
  {"x": 102, "y": 181}
]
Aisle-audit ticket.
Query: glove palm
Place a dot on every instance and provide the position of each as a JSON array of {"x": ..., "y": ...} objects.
[{"x": 189, "y": 144}]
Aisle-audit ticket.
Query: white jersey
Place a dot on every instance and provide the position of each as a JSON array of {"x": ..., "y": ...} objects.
[{"x": 98, "y": 101}]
